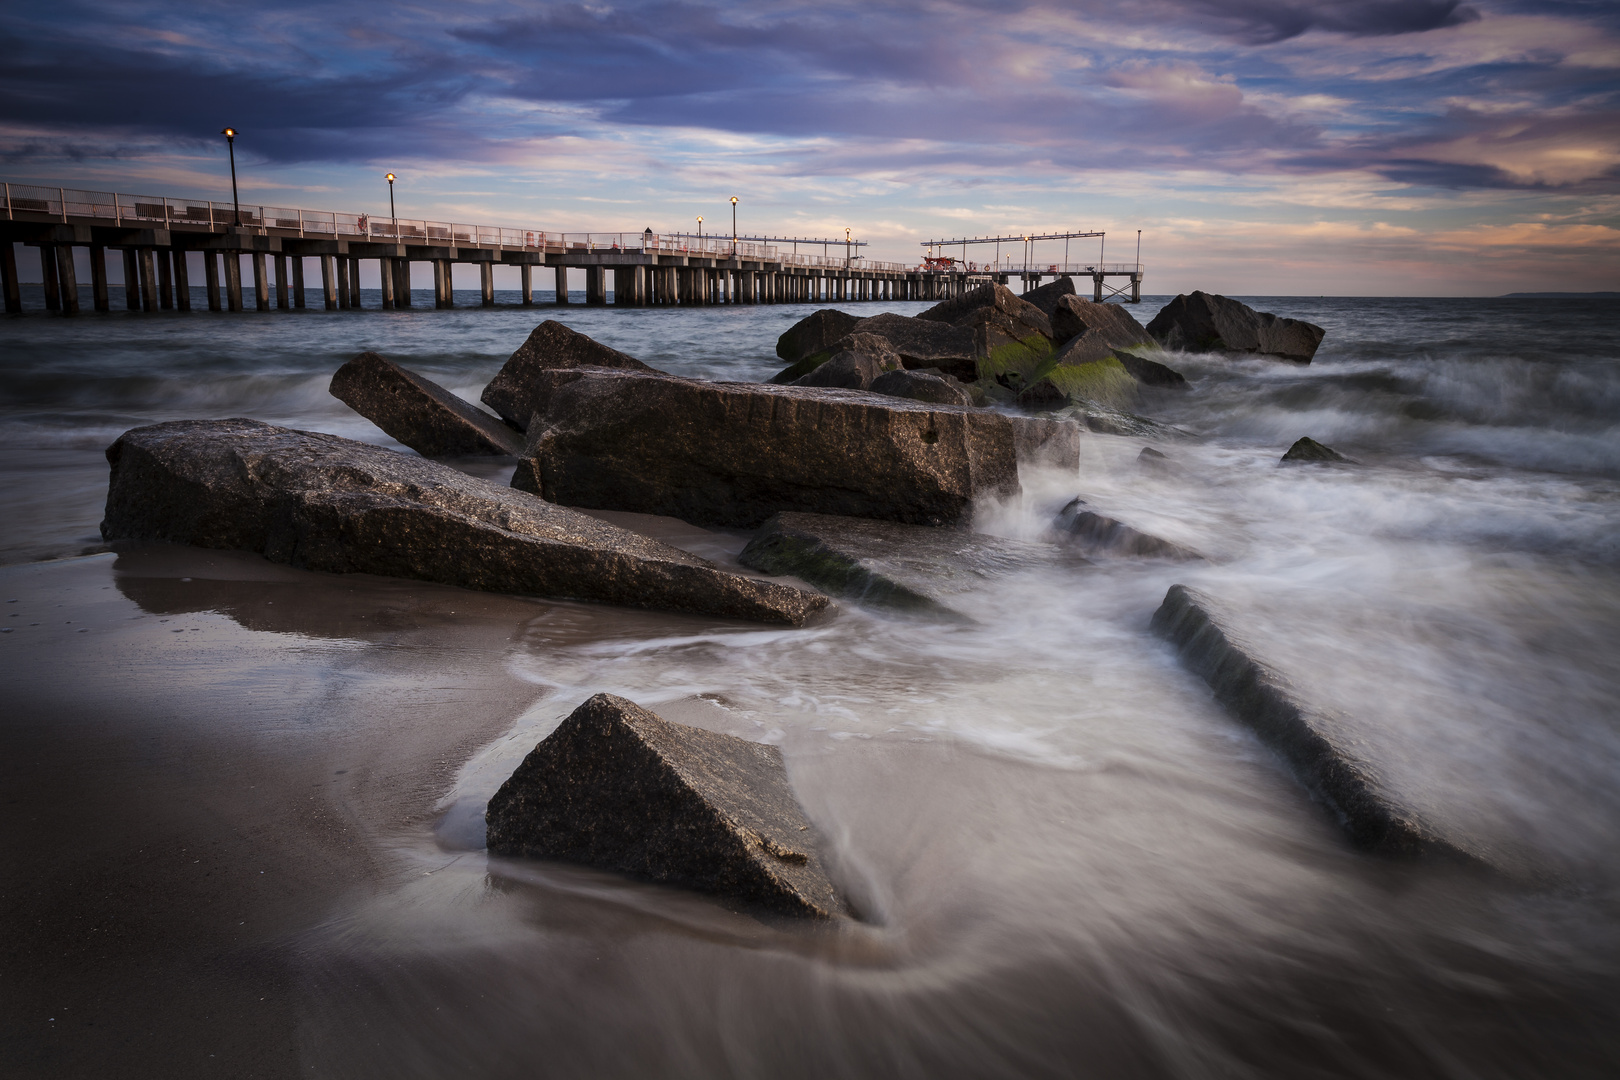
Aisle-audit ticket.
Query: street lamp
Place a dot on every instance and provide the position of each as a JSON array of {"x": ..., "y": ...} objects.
[
  {"x": 734, "y": 226},
  {"x": 700, "y": 232},
  {"x": 230, "y": 144},
  {"x": 391, "y": 214},
  {"x": 846, "y": 249}
]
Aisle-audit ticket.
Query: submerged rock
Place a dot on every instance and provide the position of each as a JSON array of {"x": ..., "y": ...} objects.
[
  {"x": 1326, "y": 752},
  {"x": 419, "y": 412},
  {"x": 815, "y": 333},
  {"x": 1204, "y": 322},
  {"x": 1041, "y": 440},
  {"x": 1099, "y": 535},
  {"x": 1309, "y": 450},
  {"x": 736, "y": 453},
  {"x": 932, "y": 386},
  {"x": 620, "y": 788},
  {"x": 324, "y": 503},
  {"x": 552, "y": 345},
  {"x": 883, "y": 563}
]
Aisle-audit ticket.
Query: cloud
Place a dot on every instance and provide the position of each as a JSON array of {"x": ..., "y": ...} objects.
[{"x": 1266, "y": 21}]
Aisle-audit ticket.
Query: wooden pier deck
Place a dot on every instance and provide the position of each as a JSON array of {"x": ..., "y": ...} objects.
[{"x": 156, "y": 236}]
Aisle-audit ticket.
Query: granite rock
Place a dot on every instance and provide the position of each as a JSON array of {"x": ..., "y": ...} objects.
[
  {"x": 551, "y": 345},
  {"x": 418, "y": 412},
  {"x": 925, "y": 343},
  {"x": 856, "y": 360},
  {"x": 1205, "y": 322},
  {"x": 1151, "y": 372},
  {"x": 1046, "y": 296},
  {"x": 324, "y": 503},
  {"x": 1040, "y": 440},
  {"x": 1111, "y": 324},
  {"x": 622, "y": 789},
  {"x": 931, "y": 386},
  {"x": 815, "y": 333}
]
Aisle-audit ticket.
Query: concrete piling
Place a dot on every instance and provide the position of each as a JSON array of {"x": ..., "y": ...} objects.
[
  {"x": 132, "y": 279},
  {"x": 233, "y": 280},
  {"x": 98, "y": 277},
  {"x": 149, "y": 295},
  {"x": 281, "y": 283},
  {"x": 341, "y": 265},
  {"x": 526, "y": 272},
  {"x": 298, "y": 281},
  {"x": 8, "y": 279},
  {"x": 329, "y": 283},
  {"x": 562, "y": 285},
  {"x": 354, "y": 284},
  {"x": 486, "y": 283},
  {"x": 182, "y": 281},
  {"x": 261, "y": 283},
  {"x": 165, "y": 279},
  {"x": 48, "y": 279},
  {"x": 68, "y": 278}
]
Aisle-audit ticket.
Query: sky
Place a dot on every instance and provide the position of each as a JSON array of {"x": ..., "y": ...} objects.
[{"x": 1262, "y": 147}]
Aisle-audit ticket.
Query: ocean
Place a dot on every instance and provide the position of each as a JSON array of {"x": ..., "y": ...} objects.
[{"x": 1069, "y": 860}]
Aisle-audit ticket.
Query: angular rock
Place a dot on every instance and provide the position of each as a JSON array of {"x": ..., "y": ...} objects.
[
  {"x": 1043, "y": 394},
  {"x": 1152, "y": 459},
  {"x": 1108, "y": 323},
  {"x": 856, "y": 360},
  {"x": 736, "y": 453},
  {"x": 324, "y": 503},
  {"x": 1011, "y": 337},
  {"x": 419, "y": 412},
  {"x": 1151, "y": 372},
  {"x": 1309, "y": 450},
  {"x": 1039, "y": 440},
  {"x": 959, "y": 309},
  {"x": 925, "y": 343},
  {"x": 885, "y": 564},
  {"x": 931, "y": 386},
  {"x": 1046, "y": 296},
  {"x": 1205, "y": 322},
  {"x": 815, "y": 333},
  {"x": 552, "y": 345},
  {"x": 620, "y": 788},
  {"x": 1104, "y": 382},
  {"x": 1099, "y": 535},
  {"x": 1326, "y": 752}
]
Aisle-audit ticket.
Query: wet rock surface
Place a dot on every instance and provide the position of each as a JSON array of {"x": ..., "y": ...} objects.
[
  {"x": 736, "y": 453},
  {"x": 886, "y": 564},
  {"x": 1046, "y": 297},
  {"x": 1096, "y": 534},
  {"x": 324, "y": 503},
  {"x": 932, "y": 386},
  {"x": 856, "y": 360},
  {"x": 815, "y": 333},
  {"x": 1040, "y": 440},
  {"x": 551, "y": 345},
  {"x": 1205, "y": 322},
  {"x": 1308, "y": 451},
  {"x": 925, "y": 343},
  {"x": 419, "y": 412},
  {"x": 620, "y": 788},
  {"x": 1150, "y": 372},
  {"x": 1327, "y": 752},
  {"x": 1109, "y": 324}
]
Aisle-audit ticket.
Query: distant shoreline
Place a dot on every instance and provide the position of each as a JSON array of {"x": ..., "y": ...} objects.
[{"x": 1560, "y": 296}]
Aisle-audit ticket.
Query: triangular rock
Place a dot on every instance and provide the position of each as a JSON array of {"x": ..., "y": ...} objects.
[
  {"x": 552, "y": 345},
  {"x": 419, "y": 412},
  {"x": 620, "y": 788}
]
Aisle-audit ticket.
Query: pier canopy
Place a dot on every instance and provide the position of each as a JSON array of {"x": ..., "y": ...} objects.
[{"x": 1025, "y": 261}]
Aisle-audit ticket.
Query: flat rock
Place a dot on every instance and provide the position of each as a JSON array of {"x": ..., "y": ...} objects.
[
  {"x": 925, "y": 343},
  {"x": 1098, "y": 535},
  {"x": 930, "y": 386},
  {"x": 620, "y": 788},
  {"x": 883, "y": 563},
  {"x": 550, "y": 346},
  {"x": 1046, "y": 296},
  {"x": 1041, "y": 440},
  {"x": 1205, "y": 322},
  {"x": 719, "y": 453},
  {"x": 1309, "y": 450},
  {"x": 419, "y": 412},
  {"x": 815, "y": 333},
  {"x": 324, "y": 503},
  {"x": 1326, "y": 751}
]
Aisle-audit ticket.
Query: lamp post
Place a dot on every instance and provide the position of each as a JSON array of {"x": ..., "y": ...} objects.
[
  {"x": 230, "y": 144},
  {"x": 394, "y": 217},
  {"x": 734, "y": 226},
  {"x": 700, "y": 232},
  {"x": 846, "y": 249}
]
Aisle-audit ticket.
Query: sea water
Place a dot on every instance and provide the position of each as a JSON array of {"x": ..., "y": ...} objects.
[{"x": 1067, "y": 858}]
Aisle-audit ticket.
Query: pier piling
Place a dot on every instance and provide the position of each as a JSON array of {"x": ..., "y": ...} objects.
[
  {"x": 132, "y": 280},
  {"x": 47, "y": 272},
  {"x": 149, "y": 296},
  {"x": 298, "y": 282},
  {"x": 98, "y": 277},
  {"x": 233, "y": 280},
  {"x": 281, "y": 282},
  {"x": 182, "y": 281},
  {"x": 329, "y": 283},
  {"x": 69, "y": 279},
  {"x": 8, "y": 278},
  {"x": 165, "y": 279},
  {"x": 261, "y": 283}
]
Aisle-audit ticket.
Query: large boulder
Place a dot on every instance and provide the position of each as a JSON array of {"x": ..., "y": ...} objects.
[
  {"x": 1095, "y": 534},
  {"x": 1150, "y": 372},
  {"x": 736, "y": 453},
  {"x": 1204, "y": 322},
  {"x": 324, "y": 503},
  {"x": 856, "y": 360},
  {"x": 1046, "y": 296},
  {"x": 932, "y": 386},
  {"x": 815, "y": 333},
  {"x": 1073, "y": 316},
  {"x": 884, "y": 563},
  {"x": 925, "y": 343},
  {"x": 419, "y": 412},
  {"x": 1012, "y": 338},
  {"x": 620, "y": 788},
  {"x": 1330, "y": 754},
  {"x": 552, "y": 345}
]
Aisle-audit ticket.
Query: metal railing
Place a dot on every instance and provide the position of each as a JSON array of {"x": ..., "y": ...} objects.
[{"x": 1047, "y": 268}]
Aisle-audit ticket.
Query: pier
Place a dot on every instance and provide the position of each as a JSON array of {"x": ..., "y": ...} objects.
[
  {"x": 1031, "y": 271},
  {"x": 154, "y": 236}
]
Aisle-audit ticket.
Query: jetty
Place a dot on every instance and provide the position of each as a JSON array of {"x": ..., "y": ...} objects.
[{"x": 240, "y": 245}]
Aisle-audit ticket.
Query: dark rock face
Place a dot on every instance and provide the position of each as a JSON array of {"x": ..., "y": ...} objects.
[
  {"x": 882, "y": 563},
  {"x": 925, "y": 343},
  {"x": 1204, "y": 322},
  {"x": 736, "y": 453},
  {"x": 325, "y": 503},
  {"x": 620, "y": 788},
  {"x": 418, "y": 412},
  {"x": 1151, "y": 372},
  {"x": 1099, "y": 535},
  {"x": 1043, "y": 394},
  {"x": 1154, "y": 461},
  {"x": 1039, "y": 440},
  {"x": 938, "y": 389},
  {"x": 963, "y": 309},
  {"x": 1012, "y": 338},
  {"x": 552, "y": 345},
  {"x": 1046, "y": 297},
  {"x": 1108, "y": 323},
  {"x": 814, "y": 333},
  {"x": 1324, "y": 750},
  {"x": 856, "y": 361},
  {"x": 1309, "y": 450}
]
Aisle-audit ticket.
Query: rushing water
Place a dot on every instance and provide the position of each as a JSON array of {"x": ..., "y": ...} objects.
[{"x": 1069, "y": 859}]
